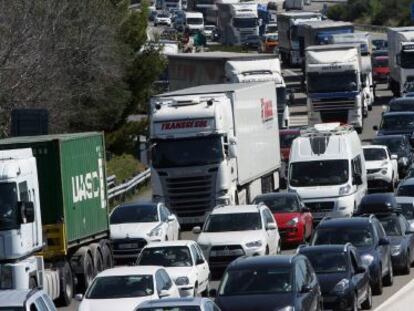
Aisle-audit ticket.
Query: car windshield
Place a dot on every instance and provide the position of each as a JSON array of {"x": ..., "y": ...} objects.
[
  {"x": 8, "y": 206},
  {"x": 124, "y": 286},
  {"x": 319, "y": 173},
  {"x": 194, "y": 21},
  {"x": 163, "y": 15},
  {"x": 402, "y": 122},
  {"x": 280, "y": 204},
  {"x": 187, "y": 152},
  {"x": 398, "y": 106},
  {"x": 287, "y": 139},
  {"x": 244, "y": 22},
  {"x": 374, "y": 154},
  {"x": 167, "y": 256},
  {"x": 395, "y": 145},
  {"x": 407, "y": 210},
  {"x": 134, "y": 213},
  {"x": 233, "y": 222},
  {"x": 405, "y": 191},
  {"x": 332, "y": 82},
  {"x": 327, "y": 262},
  {"x": 359, "y": 237},
  {"x": 180, "y": 308},
  {"x": 256, "y": 281},
  {"x": 272, "y": 38},
  {"x": 391, "y": 226}
]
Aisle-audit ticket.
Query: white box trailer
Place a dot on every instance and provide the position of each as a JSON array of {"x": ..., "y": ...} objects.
[
  {"x": 401, "y": 58},
  {"x": 293, "y": 5},
  {"x": 214, "y": 144}
]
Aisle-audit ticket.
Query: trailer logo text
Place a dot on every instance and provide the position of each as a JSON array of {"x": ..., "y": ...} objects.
[
  {"x": 85, "y": 187},
  {"x": 267, "y": 110}
]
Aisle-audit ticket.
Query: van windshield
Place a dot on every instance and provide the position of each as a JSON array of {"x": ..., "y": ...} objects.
[{"x": 319, "y": 173}]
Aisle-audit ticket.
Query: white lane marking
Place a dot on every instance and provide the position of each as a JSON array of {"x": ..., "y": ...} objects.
[{"x": 388, "y": 303}]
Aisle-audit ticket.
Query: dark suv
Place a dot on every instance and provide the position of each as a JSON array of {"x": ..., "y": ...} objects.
[
  {"x": 343, "y": 279},
  {"x": 269, "y": 283},
  {"x": 370, "y": 240}
]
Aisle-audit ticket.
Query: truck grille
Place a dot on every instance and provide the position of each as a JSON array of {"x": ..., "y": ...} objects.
[
  {"x": 320, "y": 206},
  {"x": 190, "y": 196},
  {"x": 333, "y": 105}
]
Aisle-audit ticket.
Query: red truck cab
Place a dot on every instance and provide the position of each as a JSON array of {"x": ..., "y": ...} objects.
[{"x": 380, "y": 67}]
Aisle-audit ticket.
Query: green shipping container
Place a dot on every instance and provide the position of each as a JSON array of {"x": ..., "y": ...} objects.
[{"x": 72, "y": 182}]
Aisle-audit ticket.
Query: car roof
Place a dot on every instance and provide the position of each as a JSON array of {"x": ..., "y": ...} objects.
[
  {"x": 235, "y": 209},
  {"x": 13, "y": 297},
  {"x": 386, "y": 137},
  {"x": 170, "y": 243},
  {"x": 398, "y": 113},
  {"x": 408, "y": 182},
  {"x": 379, "y": 198},
  {"x": 168, "y": 302},
  {"x": 409, "y": 100},
  {"x": 140, "y": 204},
  {"x": 333, "y": 248},
  {"x": 262, "y": 261},
  {"x": 276, "y": 195},
  {"x": 344, "y": 222},
  {"x": 129, "y": 270}
]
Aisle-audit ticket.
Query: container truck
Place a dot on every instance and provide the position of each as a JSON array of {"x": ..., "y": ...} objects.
[
  {"x": 334, "y": 86},
  {"x": 54, "y": 226},
  {"x": 186, "y": 70},
  {"x": 213, "y": 144},
  {"x": 364, "y": 40},
  {"x": 401, "y": 58},
  {"x": 288, "y": 34},
  {"x": 238, "y": 23}
]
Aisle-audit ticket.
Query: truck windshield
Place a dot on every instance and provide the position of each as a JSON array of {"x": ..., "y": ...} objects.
[
  {"x": 194, "y": 21},
  {"x": 244, "y": 22},
  {"x": 319, "y": 173},
  {"x": 332, "y": 82},
  {"x": 187, "y": 152},
  {"x": 407, "y": 59},
  {"x": 8, "y": 205}
]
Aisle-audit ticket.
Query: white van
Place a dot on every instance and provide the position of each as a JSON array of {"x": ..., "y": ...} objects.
[
  {"x": 327, "y": 170},
  {"x": 194, "y": 21}
]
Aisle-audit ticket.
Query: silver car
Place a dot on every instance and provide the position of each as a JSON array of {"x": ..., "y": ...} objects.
[{"x": 182, "y": 304}]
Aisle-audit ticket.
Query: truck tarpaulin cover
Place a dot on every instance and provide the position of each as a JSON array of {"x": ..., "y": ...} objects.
[{"x": 327, "y": 57}]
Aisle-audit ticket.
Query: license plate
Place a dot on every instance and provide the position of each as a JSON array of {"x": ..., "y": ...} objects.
[
  {"x": 128, "y": 245},
  {"x": 226, "y": 252},
  {"x": 191, "y": 220}
]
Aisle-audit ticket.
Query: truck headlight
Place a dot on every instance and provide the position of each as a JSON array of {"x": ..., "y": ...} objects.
[
  {"x": 155, "y": 232},
  {"x": 182, "y": 280},
  {"x": 293, "y": 222},
  {"x": 344, "y": 190},
  {"x": 6, "y": 277},
  {"x": 395, "y": 250},
  {"x": 367, "y": 259},
  {"x": 342, "y": 286},
  {"x": 254, "y": 244}
]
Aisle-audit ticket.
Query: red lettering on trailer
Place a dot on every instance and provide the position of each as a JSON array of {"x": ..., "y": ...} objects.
[{"x": 267, "y": 109}]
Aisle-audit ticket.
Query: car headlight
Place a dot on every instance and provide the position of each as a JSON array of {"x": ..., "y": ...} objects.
[
  {"x": 384, "y": 171},
  {"x": 6, "y": 277},
  {"x": 367, "y": 259},
  {"x": 344, "y": 190},
  {"x": 395, "y": 250},
  {"x": 155, "y": 232},
  {"x": 182, "y": 280},
  {"x": 293, "y": 222},
  {"x": 254, "y": 244},
  {"x": 287, "y": 308},
  {"x": 342, "y": 286}
]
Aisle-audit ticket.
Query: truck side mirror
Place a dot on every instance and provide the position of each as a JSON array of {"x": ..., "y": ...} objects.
[
  {"x": 26, "y": 211},
  {"x": 232, "y": 147}
]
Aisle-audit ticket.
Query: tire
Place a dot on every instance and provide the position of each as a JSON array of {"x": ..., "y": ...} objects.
[
  {"x": 407, "y": 268},
  {"x": 66, "y": 284},
  {"x": 377, "y": 288},
  {"x": 267, "y": 250},
  {"x": 389, "y": 278},
  {"x": 97, "y": 257},
  {"x": 195, "y": 294},
  {"x": 367, "y": 304},
  {"x": 107, "y": 259},
  {"x": 88, "y": 271},
  {"x": 205, "y": 292}
]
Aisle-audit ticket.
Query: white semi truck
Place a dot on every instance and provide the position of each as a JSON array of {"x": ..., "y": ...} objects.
[
  {"x": 288, "y": 34},
  {"x": 238, "y": 23},
  {"x": 364, "y": 40},
  {"x": 334, "y": 86},
  {"x": 214, "y": 144},
  {"x": 293, "y": 4},
  {"x": 401, "y": 58}
]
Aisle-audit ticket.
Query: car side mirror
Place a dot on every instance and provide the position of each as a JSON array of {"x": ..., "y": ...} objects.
[
  {"x": 383, "y": 242},
  {"x": 394, "y": 157},
  {"x": 212, "y": 293},
  {"x": 170, "y": 218},
  {"x": 271, "y": 226},
  {"x": 163, "y": 293},
  {"x": 305, "y": 289},
  {"x": 375, "y": 127},
  {"x": 78, "y": 297},
  {"x": 196, "y": 230},
  {"x": 27, "y": 212},
  {"x": 357, "y": 180},
  {"x": 361, "y": 269}
]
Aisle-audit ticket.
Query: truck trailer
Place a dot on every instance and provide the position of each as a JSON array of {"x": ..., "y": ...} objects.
[
  {"x": 54, "y": 225},
  {"x": 186, "y": 70},
  {"x": 401, "y": 58},
  {"x": 334, "y": 86},
  {"x": 288, "y": 34},
  {"x": 212, "y": 145}
]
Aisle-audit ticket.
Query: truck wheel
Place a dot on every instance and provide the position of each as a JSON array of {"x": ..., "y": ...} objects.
[
  {"x": 66, "y": 284},
  {"x": 97, "y": 257},
  {"x": 107, "y": 259},
  {"x": 88, "y": 271}
]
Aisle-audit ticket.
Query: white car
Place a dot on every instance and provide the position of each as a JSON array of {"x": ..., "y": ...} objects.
[
  {"x": 124, "y": 288},
  {"x": 381, "y": 166},
  {"x": 184, "y": 262},
  {"x": 135, "y": 225},
  {"x": 233, "y": 231},
  {"x": 162, "y": 19}
]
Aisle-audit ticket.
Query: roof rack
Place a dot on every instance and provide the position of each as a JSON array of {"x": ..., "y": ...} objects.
[{"x": 327, "y": 129}]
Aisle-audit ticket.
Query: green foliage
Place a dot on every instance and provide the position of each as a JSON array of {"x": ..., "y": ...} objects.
[
  {"x": 124, "y": 167},
  {"x": 125, "y": 138}
]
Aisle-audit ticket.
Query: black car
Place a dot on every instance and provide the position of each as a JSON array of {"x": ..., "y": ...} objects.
[
  {"x": 269, "y": 283},
  {"x": 394, "y": 123},
  {"x": 401, "y": 104},
  {"x": 343, "y": 279},
  {"x": 370, "y": 240},
  {"x": 396, "y": 226},
  {"x": 399, "y": 145}
]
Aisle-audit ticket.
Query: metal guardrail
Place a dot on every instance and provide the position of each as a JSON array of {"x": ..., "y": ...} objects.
[
  {"x": 120, "y": 190},
  {"x": 371, "y": 28}
]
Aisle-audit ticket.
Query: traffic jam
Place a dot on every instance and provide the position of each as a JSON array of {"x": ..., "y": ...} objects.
[{"x": 250, "y": 209}]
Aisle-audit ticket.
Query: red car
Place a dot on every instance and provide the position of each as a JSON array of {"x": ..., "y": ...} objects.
[
  {"x": 294, "y": 220},
  {"x": 380, "y": 68}
]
